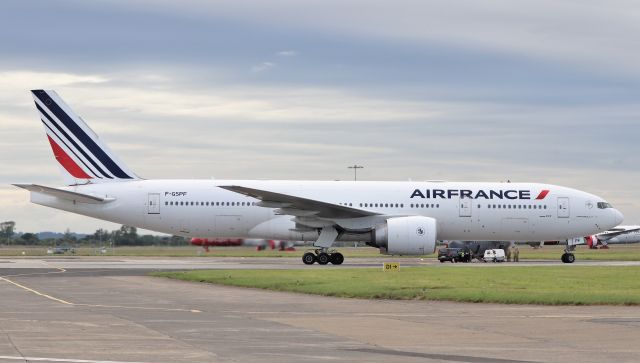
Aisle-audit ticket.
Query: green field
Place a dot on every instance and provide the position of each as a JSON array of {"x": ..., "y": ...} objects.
[
  {"x": 619, "y": 253},
  {"x": 548, "y": 285},
  {"x": 182, "y": 251}
]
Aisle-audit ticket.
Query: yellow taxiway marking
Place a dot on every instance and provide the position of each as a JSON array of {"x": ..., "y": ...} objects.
[
  {"x": 37, "y": 292},
  {"x": 60, "y": 270}
]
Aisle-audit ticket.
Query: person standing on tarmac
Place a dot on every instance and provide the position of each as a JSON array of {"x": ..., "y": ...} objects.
[
  {"x": 508, "y": 254},
  {"x": 516, "y": 254}
]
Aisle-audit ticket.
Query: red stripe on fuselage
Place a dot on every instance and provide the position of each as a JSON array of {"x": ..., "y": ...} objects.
[
  {"x": 542, "y": 194},
  {"x": 66, "y": 161}
]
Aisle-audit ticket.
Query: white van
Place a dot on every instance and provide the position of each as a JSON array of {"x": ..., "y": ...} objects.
[{"x": 494, "y": 255}]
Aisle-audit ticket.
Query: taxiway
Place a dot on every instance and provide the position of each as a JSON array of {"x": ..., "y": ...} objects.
[{"x": 97, "y": 310}]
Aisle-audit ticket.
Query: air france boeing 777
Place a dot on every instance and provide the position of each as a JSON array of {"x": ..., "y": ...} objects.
[{"x": 398, "y": 217}]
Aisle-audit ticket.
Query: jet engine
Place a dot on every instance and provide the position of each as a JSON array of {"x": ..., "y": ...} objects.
[{"x": 414, "y": 235}]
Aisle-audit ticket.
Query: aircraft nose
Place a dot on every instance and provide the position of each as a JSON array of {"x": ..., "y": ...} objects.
[{"x": 617, "y": 217}]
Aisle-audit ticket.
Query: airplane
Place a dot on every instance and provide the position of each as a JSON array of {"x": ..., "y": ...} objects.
[
  {"x": 259, "y": 244},
  {"x": 616, "y": 235},
  {"x": 399, "y": 218}
]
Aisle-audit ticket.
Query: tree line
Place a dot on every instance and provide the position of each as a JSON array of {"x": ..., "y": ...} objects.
[{"x": 125, "y": 236}]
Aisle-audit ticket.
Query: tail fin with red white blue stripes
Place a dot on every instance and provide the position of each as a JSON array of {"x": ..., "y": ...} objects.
[{"x": 84, "y": 158}]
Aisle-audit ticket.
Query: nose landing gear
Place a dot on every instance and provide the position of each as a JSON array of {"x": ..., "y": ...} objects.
[
  {"x": 568, "y": 256},
  {"x": 322, "y": 256}
]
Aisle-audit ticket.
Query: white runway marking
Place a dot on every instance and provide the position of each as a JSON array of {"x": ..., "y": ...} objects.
[{"x": 42, "y": 359}]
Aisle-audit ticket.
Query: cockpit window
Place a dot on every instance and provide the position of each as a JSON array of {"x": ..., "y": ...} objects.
[{"x": 604, "y": 205}]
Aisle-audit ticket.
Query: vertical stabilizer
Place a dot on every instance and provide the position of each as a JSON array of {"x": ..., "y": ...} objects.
[{"x": 83, "y": 157}]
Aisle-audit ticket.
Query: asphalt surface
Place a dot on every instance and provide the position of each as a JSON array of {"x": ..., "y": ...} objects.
[{"x": 107, "y": 310}]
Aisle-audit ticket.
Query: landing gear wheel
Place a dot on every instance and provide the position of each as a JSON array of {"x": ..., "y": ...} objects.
[
  {"x": 323, "y": 258},
  {"x": 309, "y": 258},
  {"x": 337, "y": 258},
  {"x": 568, "y": 258}
]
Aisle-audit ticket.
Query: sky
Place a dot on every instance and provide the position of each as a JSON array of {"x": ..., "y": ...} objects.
[{"x": 529, "y": 91}]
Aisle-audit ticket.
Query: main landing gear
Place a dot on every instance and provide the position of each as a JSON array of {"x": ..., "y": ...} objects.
[
  {"x": 568, "y": 256},
  {"x": 322, "y": 256}
]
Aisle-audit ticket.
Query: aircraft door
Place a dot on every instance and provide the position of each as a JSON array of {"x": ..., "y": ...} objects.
[
  {"x": 563, "y": 207},
  {"x": 154, "y": 203},
  {"x": 465, "y": 207}
]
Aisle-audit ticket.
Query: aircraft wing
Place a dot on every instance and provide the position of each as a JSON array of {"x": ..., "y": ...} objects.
[
  {"x": 298, "y": 206},
  {"x": 65, "y": 194},
  {"x": 608, "y": 235}
]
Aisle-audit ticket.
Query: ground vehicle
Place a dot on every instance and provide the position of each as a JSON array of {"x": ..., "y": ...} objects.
[
  {"x": 494, "y": 255},
  {"x": 454, "y": 255},
  {"x": 60, "y": 250}
]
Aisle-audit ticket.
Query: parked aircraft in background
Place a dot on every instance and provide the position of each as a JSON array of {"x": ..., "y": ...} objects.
[
  {"x": 259, "y": 244},
  {"x": 616, "y": 235},
  {"x": 404, "y": 218}
]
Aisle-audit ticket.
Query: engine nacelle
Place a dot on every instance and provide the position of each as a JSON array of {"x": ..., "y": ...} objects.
[{"x": 414, "y": 235}]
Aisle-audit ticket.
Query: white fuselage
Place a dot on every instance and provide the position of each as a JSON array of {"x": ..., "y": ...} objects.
[{"x": 199, "y": 208}]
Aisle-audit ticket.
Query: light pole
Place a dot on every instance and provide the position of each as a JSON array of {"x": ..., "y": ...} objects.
[{"x": 355, "y": 168}]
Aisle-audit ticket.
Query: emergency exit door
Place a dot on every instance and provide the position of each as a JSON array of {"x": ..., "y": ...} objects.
[
  {"x": 563, "y": 207},
  {"x": 154, "y": 203},
  {"x": 465, "y": 207}
]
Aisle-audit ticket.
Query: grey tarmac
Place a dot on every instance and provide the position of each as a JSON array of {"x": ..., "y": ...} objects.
[{"x": 107, "y": 310}]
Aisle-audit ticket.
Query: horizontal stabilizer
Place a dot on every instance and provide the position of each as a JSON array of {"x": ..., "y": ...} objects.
[{"x": 65, "y": 194}]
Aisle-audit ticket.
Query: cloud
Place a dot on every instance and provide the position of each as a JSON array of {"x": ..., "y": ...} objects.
[
  {"x": 287, "y": 53},
  {"x": 534, "y": 91},
  {"x": 262, "y": 67},
  {"x": 576, "y": 33}
]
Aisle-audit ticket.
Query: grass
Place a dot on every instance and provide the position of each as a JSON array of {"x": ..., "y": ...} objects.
[
  {"x": 547, "y": 285},
  {"x": 181, "y": 251},
  {"x": 617, "y": 253}
]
